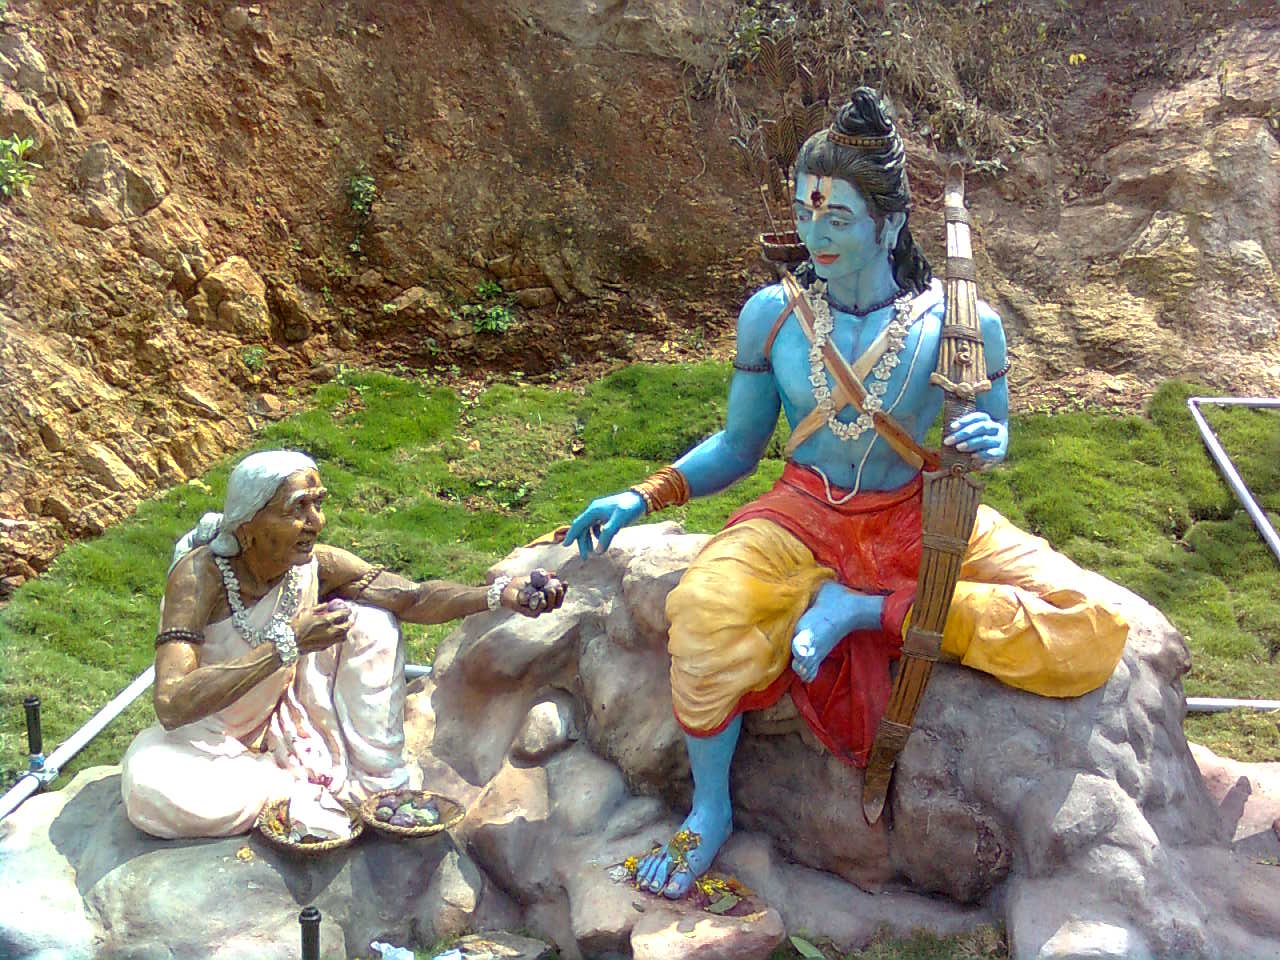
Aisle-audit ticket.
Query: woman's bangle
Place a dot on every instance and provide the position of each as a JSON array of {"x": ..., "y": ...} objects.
[
  {"x": 666, "y": 488},
  {"x": 493, "y": 597},
  {"x": 175, "y": 635}
]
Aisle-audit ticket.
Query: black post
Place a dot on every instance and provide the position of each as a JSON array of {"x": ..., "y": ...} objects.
[
  {"x": 309, "y": 920},
  {"x": 35, "y": 738}
]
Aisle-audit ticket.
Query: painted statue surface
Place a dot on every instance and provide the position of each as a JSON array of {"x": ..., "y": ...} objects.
[
  {"x": 807, "y": 591},
  {"x": 265, "y": 692}
]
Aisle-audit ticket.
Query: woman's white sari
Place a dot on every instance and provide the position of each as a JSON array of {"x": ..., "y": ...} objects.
[{"x": 331, "y": 719}]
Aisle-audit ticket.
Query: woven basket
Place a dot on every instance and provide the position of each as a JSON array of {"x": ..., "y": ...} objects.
[
  {"x": 783, "y": 247},
  {"x": 267, "y": 825},
  {"x": 451, "y": 813}
]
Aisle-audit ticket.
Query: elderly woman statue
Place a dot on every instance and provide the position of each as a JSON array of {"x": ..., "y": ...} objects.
[{"x": 261, "y": 690}]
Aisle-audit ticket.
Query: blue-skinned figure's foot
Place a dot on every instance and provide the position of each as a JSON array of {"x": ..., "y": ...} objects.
[
  {"x": 672, "y": 870},
  {"x": 835, "y": 612}
]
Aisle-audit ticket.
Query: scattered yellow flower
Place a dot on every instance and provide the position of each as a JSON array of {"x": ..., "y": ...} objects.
[{"x": 244, "y": 854}]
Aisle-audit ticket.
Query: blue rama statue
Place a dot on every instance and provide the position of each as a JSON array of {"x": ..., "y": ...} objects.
[{"x": 809, "y": 589}]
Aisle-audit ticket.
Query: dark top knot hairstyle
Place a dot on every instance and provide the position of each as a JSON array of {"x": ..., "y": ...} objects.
[{"x": 862, "y": 146}]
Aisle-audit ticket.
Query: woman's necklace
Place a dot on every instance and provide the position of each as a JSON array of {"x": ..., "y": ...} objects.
[
  {"x": 288, "y": 606},
  {"x": 877, "y": 381}
]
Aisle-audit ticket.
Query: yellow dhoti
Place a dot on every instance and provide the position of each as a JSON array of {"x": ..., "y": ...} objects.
[{"x": 1020, "y": 612}]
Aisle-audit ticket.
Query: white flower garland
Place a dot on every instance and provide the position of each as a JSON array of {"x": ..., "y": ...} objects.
[{"x": 877, "y": 381}]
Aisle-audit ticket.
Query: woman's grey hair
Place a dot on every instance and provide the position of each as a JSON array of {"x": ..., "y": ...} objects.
[{"x": 252, "y": 484}]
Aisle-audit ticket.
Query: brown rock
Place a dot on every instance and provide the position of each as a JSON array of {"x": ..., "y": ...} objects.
[
  {"x": 269, "y": 406},
  {"x": 199, "y": 311},
  {"x": 106, "y": 466},
  {"x": 237, "y": 296},
  {"x": 533, "y": 297},
  {"x": 369, "y": 281},
  {"x": 691, "y": 935},
  {"x": 418, "y": 302},
  {"x": 294, "y": 319},
  {"x": 108, "y": 181},
  {"x": 206, "y": 406},
  {"x": 23, "y": 120}
]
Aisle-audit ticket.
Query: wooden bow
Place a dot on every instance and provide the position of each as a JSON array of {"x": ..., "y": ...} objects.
[{"x": 951, "y": 495}]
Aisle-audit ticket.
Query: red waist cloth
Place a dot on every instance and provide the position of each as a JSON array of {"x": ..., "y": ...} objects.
[{"x": 873, "y": 543}]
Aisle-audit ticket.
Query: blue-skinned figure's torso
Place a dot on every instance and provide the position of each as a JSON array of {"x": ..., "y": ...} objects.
[
  {"x": 866, "y": 462},
  {"x": 910, "y": 398}
]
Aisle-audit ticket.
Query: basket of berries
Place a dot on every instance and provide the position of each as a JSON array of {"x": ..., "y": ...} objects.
[
  {"x": 405, "y": 814},
  {"x": 284, "y": 832}
]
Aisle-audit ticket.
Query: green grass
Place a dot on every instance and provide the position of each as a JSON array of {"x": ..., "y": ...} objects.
[
  {"x": 983, "y": 943},
  {"x": 436, "y": 485}
]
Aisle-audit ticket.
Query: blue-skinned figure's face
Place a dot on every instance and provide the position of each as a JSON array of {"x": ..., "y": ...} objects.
[{"x": 835, "y": 224}]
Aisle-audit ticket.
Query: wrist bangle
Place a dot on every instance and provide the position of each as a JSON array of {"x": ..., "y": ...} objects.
[
  {"x": 493, "y": 598},
  {"x": 644, "y": 495},
  {"x": 285, "y": 641},
  {"x": 666, "y": 488}
]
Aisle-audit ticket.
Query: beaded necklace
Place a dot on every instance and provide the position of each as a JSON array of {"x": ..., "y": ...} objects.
[
  {"x": 287, "y": 607},
  {"x": 877, "y": 381}
]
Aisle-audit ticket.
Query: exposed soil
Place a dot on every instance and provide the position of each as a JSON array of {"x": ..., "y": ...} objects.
[{"x": 581, "y": 162}]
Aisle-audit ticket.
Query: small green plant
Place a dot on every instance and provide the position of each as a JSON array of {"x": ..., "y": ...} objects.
[
  {"x": 16, "y": 171},
  {"x": 496, "y": 318},
  {"x": 388, "y": 308},
  {"x": 254, "y": 358},
  {"x": 327, "y": 296},
  {"x": 488, "y": 290},
  {"x": 362, "y": 191},
  {"x": 490, "y": 311}
]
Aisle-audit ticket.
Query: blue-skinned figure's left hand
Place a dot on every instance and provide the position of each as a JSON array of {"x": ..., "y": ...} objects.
[{"x": 977, "y": 434}]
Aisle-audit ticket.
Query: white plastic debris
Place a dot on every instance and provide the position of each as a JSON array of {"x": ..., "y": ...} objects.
[{"x": 389, "y": 952}]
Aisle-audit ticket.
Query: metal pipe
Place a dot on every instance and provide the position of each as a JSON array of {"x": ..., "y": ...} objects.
[
  {"x": 75, "y": 743},
  {"x": 412, "y": 671},
  {"x": 1246, "y": 498},
  {"x": 27, "y": 784},
  {"x": 1220, "y": 704},
  {"x": 35, "y": 736},
  {"x": 36, "y": 779},
  {"x": 1271, "y": 403},
  {"x": 309, "y": 921}
]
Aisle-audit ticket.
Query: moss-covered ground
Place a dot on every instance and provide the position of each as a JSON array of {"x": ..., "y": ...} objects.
[{"x": 436, "y": 484}]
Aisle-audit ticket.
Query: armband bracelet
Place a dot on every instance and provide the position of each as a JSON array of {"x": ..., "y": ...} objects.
[
  {"x": 364, "y": 583},
  {"x": 1000, "y": 373},
  {"x": 493, "y": 597},
  {"x": 666, "y": 488},
  {"x": 174, "y": 635}
]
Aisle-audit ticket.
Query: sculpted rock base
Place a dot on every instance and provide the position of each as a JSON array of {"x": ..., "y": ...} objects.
[
  {"x": 1081, "y": 825},
  {"x": 1073, "y": 822}
]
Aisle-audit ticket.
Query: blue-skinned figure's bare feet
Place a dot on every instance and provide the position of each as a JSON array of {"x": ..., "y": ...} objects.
[
  {"x": 835, "y": 611},
  {"x": 673, "y": 870}
]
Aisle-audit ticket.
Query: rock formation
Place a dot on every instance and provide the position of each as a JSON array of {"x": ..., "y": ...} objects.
[{"x": 1084, "y": 825}]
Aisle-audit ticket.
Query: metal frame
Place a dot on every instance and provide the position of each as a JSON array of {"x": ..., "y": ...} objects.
[{"x": 1242, "y": 492}]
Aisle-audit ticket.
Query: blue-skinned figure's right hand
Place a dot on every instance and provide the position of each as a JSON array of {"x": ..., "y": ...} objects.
[{"x": 602, "y": 519}]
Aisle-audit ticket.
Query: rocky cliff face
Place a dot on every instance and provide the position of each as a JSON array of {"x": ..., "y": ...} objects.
[{"x": 192, "y": 258}]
